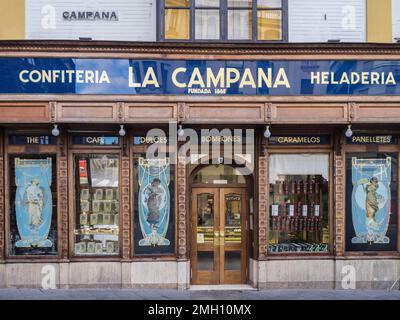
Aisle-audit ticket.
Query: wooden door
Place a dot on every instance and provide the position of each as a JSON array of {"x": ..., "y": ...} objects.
[{"x": 218, "y": 241}]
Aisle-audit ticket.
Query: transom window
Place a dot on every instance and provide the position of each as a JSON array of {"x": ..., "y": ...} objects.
[{"x": 229, "y": 20}]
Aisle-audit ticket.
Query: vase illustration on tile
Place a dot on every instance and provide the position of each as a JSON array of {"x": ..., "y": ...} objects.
[
  {"x": 33, "y": 202},
  {"x": 154, "y": 201},
  {"x": 371, "y": 199}
]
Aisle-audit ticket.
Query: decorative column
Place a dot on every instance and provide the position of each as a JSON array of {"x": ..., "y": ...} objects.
[
  {"x": 339, "y": 208},
  {"x": 125, "y": 197},
  {"x": 182, "y": 239},
  {"x": 262, "y": 206},
  {"x": 63, "y": 194}
]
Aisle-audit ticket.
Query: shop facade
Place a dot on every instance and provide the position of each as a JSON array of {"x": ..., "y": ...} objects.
[{"x": 259, "y": 180}]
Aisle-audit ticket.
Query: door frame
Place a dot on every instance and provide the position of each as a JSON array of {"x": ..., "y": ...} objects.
[{"x": 216, "y": 190}]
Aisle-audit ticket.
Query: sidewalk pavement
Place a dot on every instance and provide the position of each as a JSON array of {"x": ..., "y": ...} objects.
[{"x": 171, "y": 294}]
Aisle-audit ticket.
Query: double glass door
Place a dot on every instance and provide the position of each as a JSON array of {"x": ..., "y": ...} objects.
[{"x": 218, "y": 243}]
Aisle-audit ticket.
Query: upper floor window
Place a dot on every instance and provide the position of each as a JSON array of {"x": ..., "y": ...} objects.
[{"x": 231, "y": 20}]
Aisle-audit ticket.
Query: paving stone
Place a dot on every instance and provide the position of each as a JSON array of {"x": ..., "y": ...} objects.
[{"x": 170, "y": 294}]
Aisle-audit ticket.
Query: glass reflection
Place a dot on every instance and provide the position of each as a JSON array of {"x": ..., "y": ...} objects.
[
  {"x": 233, "y": 205},
  {"x": 205, "y": 218}
]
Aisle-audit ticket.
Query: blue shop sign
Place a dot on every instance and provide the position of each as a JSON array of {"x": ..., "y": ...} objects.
[
  {"x": 95, "y": 140},
  {"x": 198, "y": 77},
  {"x": 31, "y": 139},
  {"x": 305, "y": 139}
]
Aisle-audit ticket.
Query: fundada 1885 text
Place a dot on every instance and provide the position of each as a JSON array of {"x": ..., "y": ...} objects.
[{"x": 208, "y": 309}]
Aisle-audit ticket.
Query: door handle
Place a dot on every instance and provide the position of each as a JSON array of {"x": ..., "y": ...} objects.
[{"x": 216, "y": 238}]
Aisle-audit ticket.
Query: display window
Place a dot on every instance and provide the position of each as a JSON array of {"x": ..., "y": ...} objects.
[
  {"x": 97, "y": 204},
  {"x": 299, "y": 203},
  {"x": 371, "y": 201},
  {"x": 33, "y": 204}
]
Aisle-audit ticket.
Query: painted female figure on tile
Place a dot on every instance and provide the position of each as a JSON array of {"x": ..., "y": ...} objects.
[
  {"x": 371, "y": 199},
  {"x": 33, "y": 202},
  {"x": 154, "y": 201}
]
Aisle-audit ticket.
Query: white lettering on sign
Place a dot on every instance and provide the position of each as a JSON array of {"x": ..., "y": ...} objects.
[
  {"x": 64, "y": 76},
  {"x": 227, "y": 77},
  {"x": 352, "y": 78},
  {"x": 90, "y": 15},
  {"x": 95, "y": 140},
  {"x": 149, "y": 79}
]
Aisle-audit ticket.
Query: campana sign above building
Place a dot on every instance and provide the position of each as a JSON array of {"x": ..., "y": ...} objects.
[
  {"x": 198, "y": 77},
  {"x": 90, "y": 15}
]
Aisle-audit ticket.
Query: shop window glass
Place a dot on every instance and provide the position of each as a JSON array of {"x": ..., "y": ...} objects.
[
  {"x": 299, "y": 203},
  {"x": 97, "y": 204},
  {"x": 154, "y": 205},
  {"x": 269, "y": 25},
  {"x": 239, "y": 24},
  {"x": 371, "y": 201},
  {"x": 217, "y": 174},
  {"x": 239, "y": 3},
  {"x": 177, "y": 19},
  {"x": 207, "y": 24},
  {"x": 243, "y": 20},
  {"x": 33, "y": 205},
  {"x": 268, "y": 4}
]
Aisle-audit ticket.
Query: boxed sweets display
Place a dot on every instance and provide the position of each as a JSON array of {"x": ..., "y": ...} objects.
[
  {"x": 85, "y": 206},
  {"x": 108, "y": 219},
  {"x": 84, "y": 219},
  {"x": 107, "y": 206},
  {"x": 98, "y": 194},
  {"x": 109, "y": 194},
  {"x": 112, "y": 247},
  {"x": 91, "y": 247},
  {"x": 98, "y": 247},
  {"x": 96, "y": 206},
  {"x": 85, "y": 195}
]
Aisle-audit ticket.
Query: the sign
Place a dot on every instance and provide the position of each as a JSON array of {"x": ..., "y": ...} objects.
[
  {"x": 306, "y": 139},
  {"x": 95, "y": 140},
  {"x": 198, "y": 77},
  {"x": 32, "y": 139},
  {"x": 372, "y": 139}
]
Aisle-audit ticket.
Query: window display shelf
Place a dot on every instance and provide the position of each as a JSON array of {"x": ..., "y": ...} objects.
[{"x": 100, "y": 230}]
